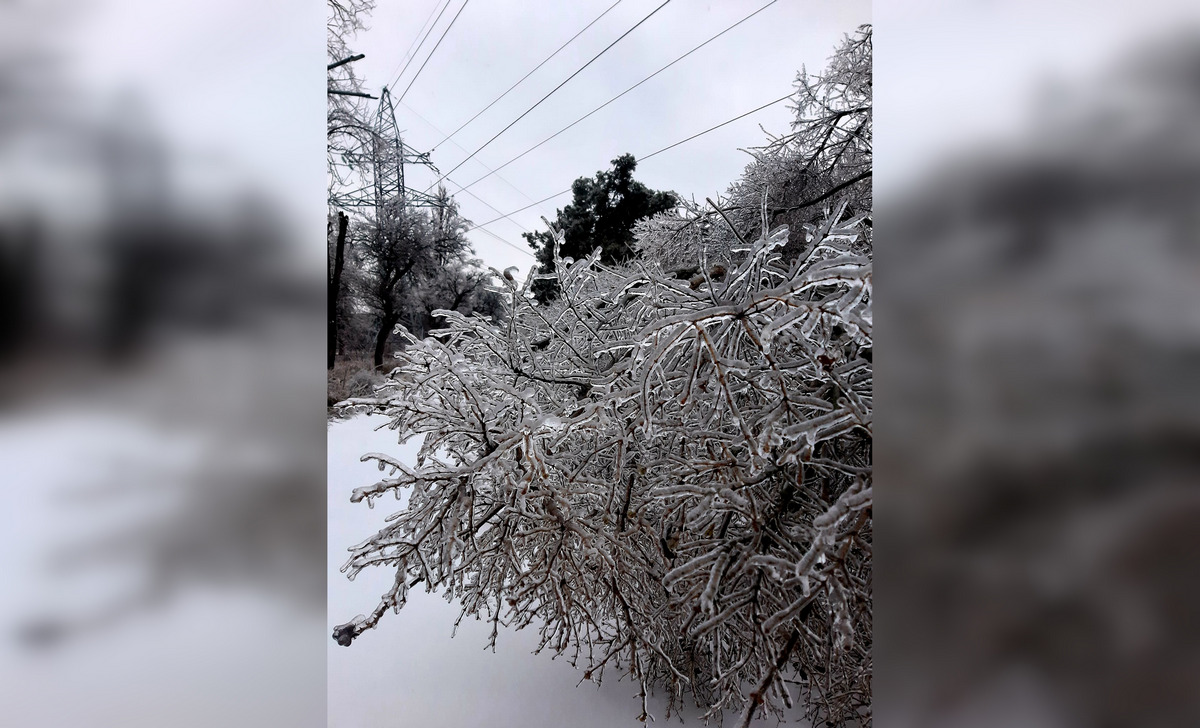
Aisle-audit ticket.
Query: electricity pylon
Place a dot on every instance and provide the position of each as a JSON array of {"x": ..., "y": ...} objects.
[{"x": 386, "y": 154}]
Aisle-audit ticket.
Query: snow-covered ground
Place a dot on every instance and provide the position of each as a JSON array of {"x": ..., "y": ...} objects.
[
  {"x": 408, "y": 671},
  {"x": 234, "y": 656}
]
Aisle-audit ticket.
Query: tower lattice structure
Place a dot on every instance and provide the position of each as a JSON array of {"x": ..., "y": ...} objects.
[{"x": 386, "y": 154}]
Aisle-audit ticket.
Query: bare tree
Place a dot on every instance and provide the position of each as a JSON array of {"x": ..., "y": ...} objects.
[
  {"x": 347, "y": 133},
  {"x": 463, "y": 286},
  {"x": 459, "y": 281},
  {"x": 398, "y": 254}
]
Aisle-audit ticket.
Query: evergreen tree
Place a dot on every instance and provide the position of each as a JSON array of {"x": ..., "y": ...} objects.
[{"x": 602, "y": 215}]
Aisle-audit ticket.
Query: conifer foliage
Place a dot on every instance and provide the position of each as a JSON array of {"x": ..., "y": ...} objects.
[{"x": 602, "y": 214}]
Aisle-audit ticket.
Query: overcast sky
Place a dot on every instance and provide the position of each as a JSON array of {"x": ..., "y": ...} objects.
[
  {"x": 496, "y": 42},
  {"x": 992, "y": 70}
]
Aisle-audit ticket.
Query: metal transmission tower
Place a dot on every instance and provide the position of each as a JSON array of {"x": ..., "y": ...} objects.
[
  {"x": 391, "y": 154},
  {"x": 386, "y": 155}
]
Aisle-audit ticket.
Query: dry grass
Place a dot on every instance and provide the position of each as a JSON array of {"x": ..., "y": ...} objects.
[{"x": 352, "y": 377}]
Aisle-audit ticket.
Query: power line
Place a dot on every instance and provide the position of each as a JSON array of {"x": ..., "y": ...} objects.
[
  {"x": 614, "y": 98},
  {"x": 556, "y": 88},
  {"x": 414, "y": 46},
  {"x": 514, "y": 247},
  {"x": 477, "y": 197},
  {"x": 523, "y": 209},
  {"x": 488, "y": 204},
  {"x": 435, "y": 47},
  {"x": 489, "y": 232},
  {"x": 718, "y": 126},
  {"x": 535, "y": 68},
  {"x": 413, "y": 56},
  {"x": 477, "y": 161},
  {"x": 643, "y": 158}
]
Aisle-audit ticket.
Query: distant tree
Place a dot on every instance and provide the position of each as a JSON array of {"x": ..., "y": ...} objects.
[
  {"x": 463, "y": 286},
  {"x": 601, "y": 215},
  {"x": 355, "y": 322},
  {"x": 415, "y": 262},
  {"x": 393, "y": 255},
  {"x": 457, "y": 281}
]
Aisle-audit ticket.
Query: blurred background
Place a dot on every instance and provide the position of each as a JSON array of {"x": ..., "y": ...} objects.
[
  {"x": 162, "y": 226},
  {"x": 1038, "y": 364}
]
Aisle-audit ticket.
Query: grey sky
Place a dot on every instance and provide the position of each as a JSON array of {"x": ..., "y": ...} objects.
[
  {"x": 495, "y": 42},
  {"x": 229, "y": 87},
  {"x": 1008, "y": 58}
]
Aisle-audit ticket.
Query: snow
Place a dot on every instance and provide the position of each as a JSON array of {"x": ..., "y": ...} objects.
[{"x": 229, "y": 656}]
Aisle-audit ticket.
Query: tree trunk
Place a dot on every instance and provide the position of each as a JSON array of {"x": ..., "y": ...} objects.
[
  {"x": 335, "y": 285},
  {"x": 381, "y": 339}
]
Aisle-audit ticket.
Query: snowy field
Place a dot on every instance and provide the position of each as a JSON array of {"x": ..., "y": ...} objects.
[
  {"x": 231, "y": 656},
  {"x": 408, "y": 671}
]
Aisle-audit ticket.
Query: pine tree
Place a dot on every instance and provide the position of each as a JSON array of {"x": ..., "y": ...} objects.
[{"x": 601, "y": 215}]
